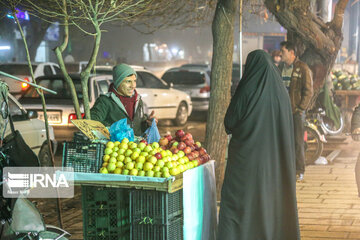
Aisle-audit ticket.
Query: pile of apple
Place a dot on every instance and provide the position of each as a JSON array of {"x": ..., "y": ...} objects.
[
  {"x": 185, "y": 142},
  {"x": 165, "y": 158}
]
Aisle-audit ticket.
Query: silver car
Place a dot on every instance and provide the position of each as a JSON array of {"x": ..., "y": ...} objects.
[{"x": 192, "y": 80}]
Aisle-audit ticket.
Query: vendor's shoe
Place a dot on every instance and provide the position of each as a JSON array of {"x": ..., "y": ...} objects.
[{"x": 300, "y": 177}]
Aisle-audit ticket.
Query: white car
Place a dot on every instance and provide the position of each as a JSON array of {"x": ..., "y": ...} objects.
[
  {"x": 157, "y": 95},
  {"x": 60, "y": 108},
  {"x": 21, "y": 70},
  {"x": 32, "y": 130}
]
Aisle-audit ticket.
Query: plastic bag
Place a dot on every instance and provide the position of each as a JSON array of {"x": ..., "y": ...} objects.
[
  {"x": 152, "y": 133},
  {"x": 120, "y": 130}
]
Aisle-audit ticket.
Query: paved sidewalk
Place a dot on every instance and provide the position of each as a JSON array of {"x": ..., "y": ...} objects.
[{"x": 328, "y": 202}]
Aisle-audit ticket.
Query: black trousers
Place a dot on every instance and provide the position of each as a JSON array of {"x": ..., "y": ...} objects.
[{"x": 299, "y": 120}]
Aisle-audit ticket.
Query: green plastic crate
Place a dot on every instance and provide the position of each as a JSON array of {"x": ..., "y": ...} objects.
[
  {"x": 82, "y": 156},
  {"x": 105, "y": 213},
  {"x": 171, "y": 231},
  {"x": 155, "y": 207}
]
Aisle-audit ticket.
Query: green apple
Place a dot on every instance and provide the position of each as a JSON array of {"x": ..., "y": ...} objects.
[
  {"x": 108, "y": 151},
  {"x": 132, "y": 145},
  {"x": 112, "y": 160},
  {"x": 141, "y": 173},
  {"x": 139, "y": 166},
  {"x": 157, "y": 174},
  {"x": 169, "y": 165},
  {"x": 117, "y": 171},
  {"x": 114, "y": 154},
  {"x": 120, "y": 158},
  {"x": 121, "y": 151},
  {"x": 152, "y": 159},
  {"x": 141, "y": 145},
  {"x": 148, "y": 148},
  {"x": 153, "y": 152},
  {"x": 157, "y": 169},
  {"x": 148, "y": 166},
  {"x": 144, "y": 154},
  {"x": 103, "y": 170},
  {"x": 195, "y": 163},
  {"x": 160, "y": 163},
  {"x": 181, "y": 168},
  {"x": 119, "y": 164},
  {"x": 130, "y": 165},
  {"x": 128, "y": 152},
  {"x": 168, "y": 153},
  {"x": 165, "y": 169},
  {"x": 149, "y": 173},
  {"x": 181, "y": 160},
  {"x": 140, "y": 159},
  {"x": 123, "y": 146},
  {"x": 127, "y": 159},
  {"x": 134, "y": 155},
  {"x": 125, "y": 171},
  {"x": 163, "y": 153},
  {"x": 116, "y": 143},
  {"x": 105, "y": 164},
  {"x": 155, "y": 145},
  {"x": 116, "y": 148},
  {"x": 181, "y": 154},
  {"x": 191, "y": 164},
  {"x": 186, "y": 159},
  {"x": 110, "y": 144},
  {"x": 106, "y": 158},
  {"x": 111, "y": 167},
  {"x": 166, "y": 174},
  {"x": 134, "y": 172},
  {"x": 138, "y": 150},
  {"x": 174, "y": 171},
  {"x": 125, "y": 140}
]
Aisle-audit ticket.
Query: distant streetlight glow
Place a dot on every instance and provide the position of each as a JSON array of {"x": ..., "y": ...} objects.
[{"x": 5, "y": 48}]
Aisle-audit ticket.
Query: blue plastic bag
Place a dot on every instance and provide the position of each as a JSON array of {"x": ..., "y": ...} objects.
[
  {"x": 152, "y": 133},
  {"x": 120, "y": 130}
]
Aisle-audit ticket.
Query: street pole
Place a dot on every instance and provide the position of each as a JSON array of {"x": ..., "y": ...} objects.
[{"x": 240, "y": 36}]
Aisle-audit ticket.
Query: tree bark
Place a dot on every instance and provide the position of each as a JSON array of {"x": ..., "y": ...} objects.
[
  {"x": 223, "y": 47},
  {"x": 38, "y": 30},
  {"x": 318, "y": 43}
]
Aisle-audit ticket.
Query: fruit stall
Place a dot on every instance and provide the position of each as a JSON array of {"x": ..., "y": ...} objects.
[
  {"x": 139, "y": 190},
  {"x": 347, "y": 86}
]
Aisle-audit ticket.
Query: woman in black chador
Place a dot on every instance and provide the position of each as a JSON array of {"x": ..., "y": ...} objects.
[{"x": 258, "y": 198}]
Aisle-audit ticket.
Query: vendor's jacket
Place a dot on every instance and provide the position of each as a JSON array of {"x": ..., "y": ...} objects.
[
  {"x": 301, "y": 86},
  {"x": 109, "y": 109}
]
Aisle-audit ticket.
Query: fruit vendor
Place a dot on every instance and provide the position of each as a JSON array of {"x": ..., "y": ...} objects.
[
  {"x": 258, "y": 197},
  {"x": 122, "y": 101}
]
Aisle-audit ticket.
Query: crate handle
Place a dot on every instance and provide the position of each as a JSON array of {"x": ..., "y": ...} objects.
[{"x": 147, "y": 220}]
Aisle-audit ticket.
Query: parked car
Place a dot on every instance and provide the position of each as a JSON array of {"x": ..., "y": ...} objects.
[
  {"x": 22, "y": 71},
  {"x": 60, "y": 108},
  {"x": 159, "y": 96},
  {"x": 194, "y": 81},
  {"x": 32, "y": 130}
]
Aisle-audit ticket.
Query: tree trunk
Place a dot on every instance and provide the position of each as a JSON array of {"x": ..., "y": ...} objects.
[
  {"x": 38, "y": 30},
  {"x": 223, "y": 47},
  {"x": 317, "y": 42}
]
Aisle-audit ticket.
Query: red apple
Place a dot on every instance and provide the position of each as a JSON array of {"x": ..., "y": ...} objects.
[
  {"x": 158, "y": 156},
  {"x": 174, "y": 150},
  {"x": 202, "y": 151},
  {"x": 181, "y": 145},
  {"x": 163, "y": 141},
  {"x": 144, "y": 141},
  {"x": 168, "y": 136},
  {"x": 190, "y": 156},
  {"x": 198, "y": 160},
  {"x": 163, "y": 147},
  {"x": 192, "y": 147},
  {"x": 187, "y": 150},
  {"x": 189, "y": 142},
  {"x": 188, "y": 135},
  {"x": 180, "y": 133},
  {"x": 196, "y": 154}
]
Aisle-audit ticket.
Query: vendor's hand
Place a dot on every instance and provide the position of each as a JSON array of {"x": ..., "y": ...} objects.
[{"x": 150, "y": 118}]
